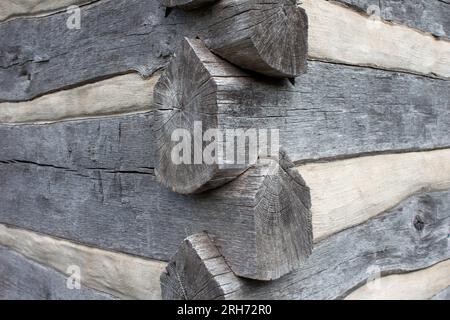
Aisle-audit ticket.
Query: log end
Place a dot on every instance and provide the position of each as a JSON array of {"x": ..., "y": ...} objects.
[
  {"x": 197, "y": 272},
  {"x": 283, "y": 237},
  {"x": 186, "y": 102},
  {"x": 268, "y": 37}
]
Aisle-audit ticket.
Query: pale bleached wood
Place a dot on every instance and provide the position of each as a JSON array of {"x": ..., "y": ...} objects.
[
  {"x": 348, "y": 192},
  {"x": 42, "y": 59},
  {"x": 342, "y": 35},
  {"x": 418, "y": 285},
  {"x": 120, "y": 275},
  {"x": 122, "y": 94},
  {"x": 24, "y": 279},
  {"x": 13, "y": 8},
  {"x": 409, "y": 237}
]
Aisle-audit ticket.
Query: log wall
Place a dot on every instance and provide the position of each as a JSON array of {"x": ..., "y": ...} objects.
[{"x": 357, "y": 207}]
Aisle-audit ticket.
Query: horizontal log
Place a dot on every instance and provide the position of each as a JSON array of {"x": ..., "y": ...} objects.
[
  {"x": 411, "y": 236},
  {"x": 348, "y": 192},
  {"x": 23, "y": 279},
  {"x": 122, "y": 94},
  {"x": 266, "y": 208},
  {"x": 431, "y": 16},
  {"x": 418, "y": 285},
  {"x": 120, "y": 275},
  {"x": 17, "y": 8},
  {"x": 215, "y": 94},
  {"x": 43, "y": 58},
  {"x": 345, "y": 36}
]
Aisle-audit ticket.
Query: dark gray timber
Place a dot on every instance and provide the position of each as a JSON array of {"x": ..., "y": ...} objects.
[
  {"x": 24, "y": 279},
  {"x": 443, "y": 295},
  {"x": 387, "y": 244},
  {"x": 431, "y": 16}
]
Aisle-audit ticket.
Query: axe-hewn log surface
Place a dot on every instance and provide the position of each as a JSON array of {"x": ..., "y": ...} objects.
[
  {"x": 126, "y": 35},
  {"x": 431, "y": 16},
  {"x": 187, "y": 4},
  {"x": 101, "y": 174},
  {"x": 24, "y": 279},
  {"x": 411, "y": 236}
]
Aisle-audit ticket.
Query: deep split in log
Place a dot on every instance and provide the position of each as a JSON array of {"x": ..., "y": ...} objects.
[
  {"x": 187, "y": 4},
  {"x": 199, "y": 92},
  {"x": 269, "y": 37}
]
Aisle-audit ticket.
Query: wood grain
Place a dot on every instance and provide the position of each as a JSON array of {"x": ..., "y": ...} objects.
[
  {"x": 48, "y": 56},
  {"x": 431, "y": 16},
  {"x": 341, "y": 35},
  {"x": 411, "y": 236},
  {"x": 23, "y": 279},
  {"x": 348, "y": 192},
  {"x": 418, "y": 285},
  {"x": 120, "y": 275},
  {"x": 122, "y": 94}
]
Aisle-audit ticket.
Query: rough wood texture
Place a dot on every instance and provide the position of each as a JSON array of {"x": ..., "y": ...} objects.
[
  {"x": 418, "y": 285},
  {"x": 431, "y": 16},
  {"x": 123, "y": 276},
  {"x": 121, "y": 94},
  {"x": 411, "y": 236},
  {"x": 31, "y": 59},
  {"x": 104, "y": 166},
  {"x": 348, "y": 192},
  {"x": 210, "y": 94},
  {"x": 222, "y": 97},
  {"x": 345, "y": 36},
  {"x": 187, "y": 4},
  {"x": 23, "y": 279},
  {"x": 15, "y": 8},
  {"x": 269, "y": 37},
  {"x": 197, "y": 272}
]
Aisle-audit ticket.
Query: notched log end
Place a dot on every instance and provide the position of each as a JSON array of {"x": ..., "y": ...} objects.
[
  {"x": 268, "y": 37},
  {"x": 197, "y": 272},
  {"x": 282, "y": 220}
]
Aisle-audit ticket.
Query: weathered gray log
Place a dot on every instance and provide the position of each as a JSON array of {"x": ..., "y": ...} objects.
[
  {"x": 200, "y": 92},
  {"x": 269, "y": 37},
  {"x": 431, "y": 16},
  {"x": 187, "y": 4},
  {"x": 30, "y": 59},
  {"x": 220, "y": 96},
  {"x": 410, "y": 237},
  {"x": 24, "y": 279},
  {"x": 266, "y": 208}
]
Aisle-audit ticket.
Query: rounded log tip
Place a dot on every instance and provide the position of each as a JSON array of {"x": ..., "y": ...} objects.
[
  {"x": 265, "y": 36},
  {"x": 187, "y": 4},
  {"x": 186, "y": 101},
  {"x": 196, "y": 272}
]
